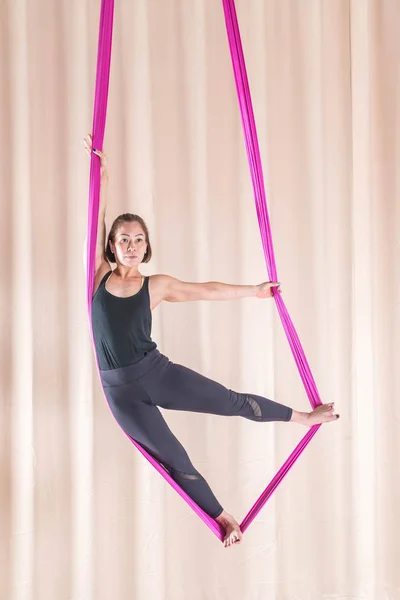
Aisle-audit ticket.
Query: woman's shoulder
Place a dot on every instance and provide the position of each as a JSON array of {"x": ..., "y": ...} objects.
[
  {"x": 101, "y": 276},
  {"x": 159, "y": 280},
  {"x": 158, "y": 284}
]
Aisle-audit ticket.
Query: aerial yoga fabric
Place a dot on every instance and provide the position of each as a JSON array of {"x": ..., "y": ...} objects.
[{"x": 253, "y": 153}]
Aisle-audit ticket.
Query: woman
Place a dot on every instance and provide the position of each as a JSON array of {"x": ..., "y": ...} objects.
[{"x": 137, "y": 379}]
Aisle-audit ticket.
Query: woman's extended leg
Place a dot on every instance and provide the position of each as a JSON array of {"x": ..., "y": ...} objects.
[
  {"x": 176, "y": 387},
  {"x": 134, "y": 411}
]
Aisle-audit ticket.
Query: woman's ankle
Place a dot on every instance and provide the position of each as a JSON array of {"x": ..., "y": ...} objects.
[{"x": 299, "y": 417}]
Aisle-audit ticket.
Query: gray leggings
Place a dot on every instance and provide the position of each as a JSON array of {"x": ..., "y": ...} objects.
[{"x": 134, "y": 392}]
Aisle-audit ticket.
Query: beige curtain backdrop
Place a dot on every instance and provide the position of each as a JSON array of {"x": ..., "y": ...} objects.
[{"x": 82, "y": 515}]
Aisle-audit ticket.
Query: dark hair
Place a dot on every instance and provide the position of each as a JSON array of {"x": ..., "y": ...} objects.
[{"x": 127, "y": 218}]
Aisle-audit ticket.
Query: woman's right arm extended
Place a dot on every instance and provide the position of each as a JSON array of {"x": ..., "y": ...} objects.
[{"x": 102, "y": 266}]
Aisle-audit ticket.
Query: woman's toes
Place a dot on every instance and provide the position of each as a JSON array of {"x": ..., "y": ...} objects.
[
  {"x": 232, "y": 539},
  {"x": 324, "y": 413},
  {"x": 236, "y": 537}
]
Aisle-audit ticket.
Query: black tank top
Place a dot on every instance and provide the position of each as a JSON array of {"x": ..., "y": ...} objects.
[{"x": 121, "y": 326}]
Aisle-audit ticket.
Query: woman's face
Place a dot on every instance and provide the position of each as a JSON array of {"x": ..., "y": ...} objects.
[{"x": 129, "y": 245}]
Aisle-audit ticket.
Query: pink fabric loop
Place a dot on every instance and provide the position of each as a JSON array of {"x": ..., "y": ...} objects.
[
  {"x": 99, "y": 121},
  {"x": 253, "y": 154}
]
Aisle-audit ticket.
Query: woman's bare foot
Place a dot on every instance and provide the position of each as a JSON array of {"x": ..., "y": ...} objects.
[
  {"x": 325, "y": 413},
  {"x": 233, "y": 534}
]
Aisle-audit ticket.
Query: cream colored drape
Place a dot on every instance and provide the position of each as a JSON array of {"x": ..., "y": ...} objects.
[{"x": 82, "y": 515}]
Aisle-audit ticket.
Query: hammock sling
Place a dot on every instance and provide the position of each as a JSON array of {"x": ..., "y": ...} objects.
[{"x": 253, "y": 153}]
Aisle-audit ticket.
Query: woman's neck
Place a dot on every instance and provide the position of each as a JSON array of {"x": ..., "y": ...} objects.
[{"x": 124, "y": 273}]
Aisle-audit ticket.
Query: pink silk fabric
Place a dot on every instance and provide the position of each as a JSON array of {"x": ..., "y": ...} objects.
[
  {"x": 253, "y": 154},
  {"x": 99, "y": 121}
]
